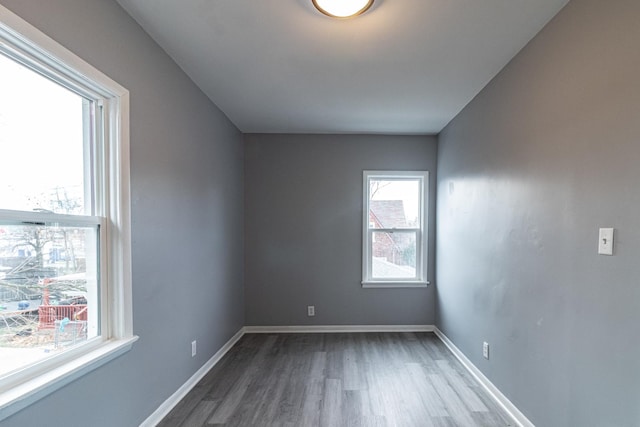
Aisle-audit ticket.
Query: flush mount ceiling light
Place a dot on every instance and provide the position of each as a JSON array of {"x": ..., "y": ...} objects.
[{"x": 342, "y": 8}]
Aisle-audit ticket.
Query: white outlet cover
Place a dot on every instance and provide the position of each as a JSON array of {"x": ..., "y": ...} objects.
[{"x": 485, "y": 350}]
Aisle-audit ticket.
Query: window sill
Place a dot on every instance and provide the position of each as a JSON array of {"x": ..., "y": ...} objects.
[
  {"x": 395, "y": 285},
  {"x": 23, "y": 395}
]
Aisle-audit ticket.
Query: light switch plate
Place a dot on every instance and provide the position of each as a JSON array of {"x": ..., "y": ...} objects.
[{"x": 605, "y": 241}]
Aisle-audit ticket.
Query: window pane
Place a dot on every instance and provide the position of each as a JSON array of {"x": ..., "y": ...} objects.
[
  {"x": 48, "y": 291},
  {"x": 394, "y": 255},
  {"x": 41, "y": 143},
  {"x": 394, "y": 203}
]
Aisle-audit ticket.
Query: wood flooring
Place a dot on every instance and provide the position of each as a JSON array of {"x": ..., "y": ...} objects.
[{"x": 345, "y": 379}]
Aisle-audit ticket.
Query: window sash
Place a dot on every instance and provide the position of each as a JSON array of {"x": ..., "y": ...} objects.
[
  {"x": 396, "y": 178},
  {"x": 35, "y": 369},
  {"x": 17, "y": 217},
  {"x": 96, "y": 129},
  {"x": 418, "y": 236}
]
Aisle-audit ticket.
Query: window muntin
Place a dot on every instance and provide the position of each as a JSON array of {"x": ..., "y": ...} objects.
[
  {"x": 394, "y": 237},
  {"x": 101, "y": 220}
]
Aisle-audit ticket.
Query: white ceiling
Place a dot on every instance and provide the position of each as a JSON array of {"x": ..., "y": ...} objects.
[{"x": 405, "y": 67}]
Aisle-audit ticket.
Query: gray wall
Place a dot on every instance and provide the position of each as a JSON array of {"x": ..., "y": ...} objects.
[
  {"x": 527, "y": 173},
  {"x": 303, "y": 229},
  {"x": 186, "y": 167}
]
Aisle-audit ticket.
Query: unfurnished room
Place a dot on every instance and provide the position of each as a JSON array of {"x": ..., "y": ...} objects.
[{"x": 308, "y": 213}]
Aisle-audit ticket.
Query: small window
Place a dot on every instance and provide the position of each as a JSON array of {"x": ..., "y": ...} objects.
[
  {"x": 65, "y": 280},
  {"x": 394, "y": 228}
]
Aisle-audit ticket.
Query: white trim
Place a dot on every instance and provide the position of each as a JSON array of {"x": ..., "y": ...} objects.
[
  {"x": 421, "y": 233},
  {"x": 119, "y": 206},
  {"x": 517, "y": 416},
  {"x": 336, "y": 329},
  {"x": 47, "y": 218},
  {"x": 23, "y": 395},
  {"x": 166, "y": 406},
  {"x": 395, "y": 285},
  {"x": 49, "y": 52}
]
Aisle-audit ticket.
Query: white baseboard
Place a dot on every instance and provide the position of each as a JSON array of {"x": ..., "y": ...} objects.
[
  {"x": 336, "y": 328},
  {"x": 493, "y": 391},
  {"x": 176, "y": 397}
]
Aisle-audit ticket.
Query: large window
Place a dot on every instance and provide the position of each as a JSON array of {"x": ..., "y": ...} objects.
[
  {"x": 65, "y": 302},
  {"x": 394, "y": 228}
]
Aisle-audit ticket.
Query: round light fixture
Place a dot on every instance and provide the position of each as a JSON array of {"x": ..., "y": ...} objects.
[{"x": 342, "y": 8}]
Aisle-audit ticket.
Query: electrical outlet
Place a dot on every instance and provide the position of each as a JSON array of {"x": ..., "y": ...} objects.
[
  {"x": 311, "y": 310},
  {"x": 194, "y": 349},
  {"x": 485, "y": 350}
]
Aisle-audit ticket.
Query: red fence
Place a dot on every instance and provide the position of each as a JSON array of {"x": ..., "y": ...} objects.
[{"x": 48, "y": 314}]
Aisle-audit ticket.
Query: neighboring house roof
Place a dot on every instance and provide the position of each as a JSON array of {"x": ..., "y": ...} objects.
[{"x": 388, "y": 213}]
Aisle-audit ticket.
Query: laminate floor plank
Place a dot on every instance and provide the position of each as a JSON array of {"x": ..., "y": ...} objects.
[
  {"x": 456, "y": 408},
  {"x": 263, "y": 395},
  {"x": 445, "y": 422},
  {"x": 336, "y": 380},
  {"x": 489, "y": 419},
  {"x": 455, "y": 364},
  {"x": 467, "y": 394},
  {"x": 318, "y": 364},
  {"x": 311, "y": 406},
  {"x": 291, "y": 398},
  {"x": 233, "y": 398},
  {"x": 412, "y": 406},
  {"x": 198, "y": 417},
  {"x": 230, "y": 368},
  {"x": 352, "y": 408},
  {"x": 351, "y": 378},
  {"x": 421, "y": 356},
  {"x": 331, "y": 408},
  {"x": 184, "y": 408},
  {"x": 380, "y": 384},
  {"x": 495, "y": 410},
  {"x": 430, "y": 398}
]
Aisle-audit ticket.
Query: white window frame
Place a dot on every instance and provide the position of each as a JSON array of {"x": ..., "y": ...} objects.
[
  {"x": 421, "y": 233},
  {"x": 23, "y": 42}
]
